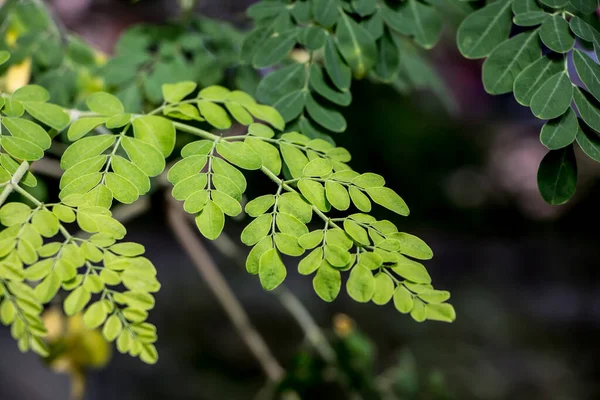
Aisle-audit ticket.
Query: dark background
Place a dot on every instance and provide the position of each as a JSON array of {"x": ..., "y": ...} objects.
[{"x": 523, "y": 275}]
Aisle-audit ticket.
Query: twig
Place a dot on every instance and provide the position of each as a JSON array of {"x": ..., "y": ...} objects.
[{"x": 217, "y": 284}]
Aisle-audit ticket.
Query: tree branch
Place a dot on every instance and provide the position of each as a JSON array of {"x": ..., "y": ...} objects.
[{"x": 217, "y": 284}]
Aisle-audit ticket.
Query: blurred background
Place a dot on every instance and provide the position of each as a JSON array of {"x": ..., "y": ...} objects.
[{"x": 524, "y": 276}]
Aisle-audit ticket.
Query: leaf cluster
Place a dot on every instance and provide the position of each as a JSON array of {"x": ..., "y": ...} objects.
[{"x": 533, "y": 64}]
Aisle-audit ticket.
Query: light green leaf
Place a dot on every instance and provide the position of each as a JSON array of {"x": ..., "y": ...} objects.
[
  {"x": 411, "y": 270},
  {"x": 228, "y": 204},
  {"x": 288, "y": 244},
  {"x": 128, "y": 170},
  {"x": 95, "y": 315},
  {"x": 327, "y": 282},
  {"x": 257, "y": 229},
  {"x": 294, "y": 159},
  {"x": 175, "y": 92},
  {"x": 240, "y": 154},
  {"x": 337, "y": 256},
  {"x": 291, "y": 225},
  {"x": 403, "y": 300},
  {"x": 189, "y": 186},
  {"x": 389, "y": 199},
  {"x": 268, "y": 153},
  {"x": 294, "y": 204},
  {"x": 412, "y": 246},
  {"x": 27, "y": 130},
  {"x": 112, "y": 328},
  {"x": 31, "y": 93},
  {"x": 122, "y": 189},
  {"x": 86, "y": 148},
  {"x": 384, "y": 289},
  {"x": 214, "y": 114},
  {"x": 271, "y": 271},
  {"x": 360, "y": 200},
  {"x": 356, "y": 232},
  {"x": 266, "y": 114},
  {"x": 318, "y": 167},
  {"x": 83, "y": 126},
  {"x": 440, "y": 312},
  {"x": 337, "y": 195},
  {"x": 211, "y": 220},
  {"x": 310, "y": 240},
  {"x": 260, "y": 130},
  {"x": 195, "y": 202},
  {"x": 311, "y": 262},
  {"x": 156, "y": 131},
  {"x": 145, "y": 156},
  {"x": 557, "y": 176},
  {"x": 314, "y": 193},
  {"x": 253, "y": 260},
  {"x": 104, "y": 104},
  {"x": 21, "y": 149},
  {"x": 361, "y": 284},
  {"x": 76, "y": 301}
]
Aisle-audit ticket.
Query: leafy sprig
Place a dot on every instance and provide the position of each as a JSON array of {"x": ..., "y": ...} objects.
[
  {"x": 534, "y": 65},
  {"x": 331, "y": 42}
]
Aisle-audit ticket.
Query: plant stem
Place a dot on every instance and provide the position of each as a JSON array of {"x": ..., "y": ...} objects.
[{"x": 218, "y": 285}]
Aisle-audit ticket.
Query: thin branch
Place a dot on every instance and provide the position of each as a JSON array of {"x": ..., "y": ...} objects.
[{"x": 217, "y": 284}]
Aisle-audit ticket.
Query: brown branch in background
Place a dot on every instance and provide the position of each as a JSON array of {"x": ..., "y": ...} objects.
[{"x": 217, "y": 284}]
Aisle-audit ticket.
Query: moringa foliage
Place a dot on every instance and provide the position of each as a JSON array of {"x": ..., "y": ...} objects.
[
  {"x": 334, "y": 41},
  {"x": 533, "y": 64},
  {"x": 112, "y": 157}
]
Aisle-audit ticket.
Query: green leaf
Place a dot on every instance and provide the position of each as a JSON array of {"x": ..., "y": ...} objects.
[
  {"x": 440, "y": 312},
  {"x": 31, "y": 93},
  {"x": 186, "y": 168},
  {"x": 128, "y": 170},
  {"x": 274, "y": 49},
  {"x": 317, "y": 82},
  {"x": 288, "y": 244},
  {"x": 211, "y": 220},
  {"x": 327, "y": 282},
  {"x": 424, "y": 21},
  {"x": 21, "y": 149},
  {"x": 76, "y": 301},
  {"x": 104, "y": 104},
  {"x": 281, "y": 82},
  {"x": 85, "y": 149},
  {"x": 337, "y": 256},
  {"x": 156, "y": 131},
  {"x": 508, "y": 60},
  {"x": 228, "y": 204},
  {"x": 484, "y": 29},
  {"x": 253, "y": 260},
  {"x": 310, "y": 240},
  {"x": 260, "y": 130},
  {"x": 555, "y": 3},
  {"x": 317, "y": 168},
  {"x": 360, "y": 200},
  {"x": 324, "y": 116},
  {"x": 240, "y": 154},
  {"x": 525, "y": 6},
  {"x": 384, "y": 289},
  {"x": 83, "y": 126},
  {"x": 356, "y": 46},
  {"x": 531, "y": 79},
  {"x": 553, "y": 98},
  {"x": 556, "y": 35},
  {"x": 268, "y": 153},
  {"x": 45, "y": 222},
  {"x": 112, "y": 328},
  {"x": 585, "y": 6},
  {"x": 145, "y": 156},
  {"x": 189, "y": 186},
  {"x": 557, "y": 176},
  {"x": 338, "y": 71},
  {"x": 588, "y": 71},
  {"x": 290, "y": 225},
  {"x": 583, "y": 30},
  {"x": 560, "y": 132},
  {"x": 532, "y": 18},
  {"x": 434, "y": 296},
  {"x": 27, "y": 130},
  {"x": 311, "y": 262},
  {"x": 588, "y": 108},
  {"x": 272, "y": 271},
  {"x": 292, "y": 104},
  {"x": 356, "y": 232},
  {"x": 403, "y": 300},
  {"x": 326, "y": 12},
  {"x": 4, "y": 56},
  {"x": 256, "y": 230},
  {"x": 589, "y": 141},
  {"x": 412, "y": 246},
  {"x": 122, "y": 189},
  {"x": 175, "y": 92},
  {"x": 267, "y": 114},
  {"x": 294, "y": 159},
  {"x": 214, "y": 114},
  {"x": 337, "y": 195},
  {"x": 389, "y": 199},
  {"x": 314, "y": 193},
  {"x": 95, "y": 315},
  {"x": 195, "y": 202},
  {"x": 361, "y": 284},
  {"x": 411, "y": 270}
]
